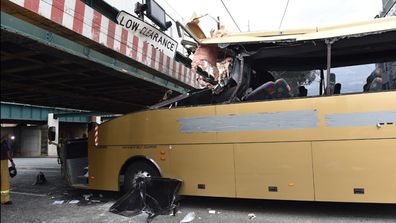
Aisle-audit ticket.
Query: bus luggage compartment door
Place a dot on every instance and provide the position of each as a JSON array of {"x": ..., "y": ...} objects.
[
  {"x": 355, "y": 170},
  {"x": 206, "y": 170},
  {"x": 281, "y": 171}
]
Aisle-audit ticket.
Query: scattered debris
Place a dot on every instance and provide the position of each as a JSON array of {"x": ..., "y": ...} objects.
[
  {"x": 40, "y": 179},
  {"x": 58, "y": 202},
  {"x": 251, "y": 216},
  {"x": 179, "y": 212},
  {"x": 188, "y": 218},
  {"x": 212, "y": 212},
  {"x": 199, "y": 218},
  {"x": 74, "y": 202},
  {"x": 52, "y": 197},
  {"x": 87, "y": 196},
  {"x": 95, "y": 201}
]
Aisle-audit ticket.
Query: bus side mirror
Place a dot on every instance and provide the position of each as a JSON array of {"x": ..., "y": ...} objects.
[{"x": 51, "y": 133}]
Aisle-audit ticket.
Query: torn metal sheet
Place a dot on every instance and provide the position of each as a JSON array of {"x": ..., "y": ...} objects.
[{"x": 155, "y": 196}]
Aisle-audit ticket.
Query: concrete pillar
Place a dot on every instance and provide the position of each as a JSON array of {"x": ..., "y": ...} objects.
[
  {"x": 30, "y": 141},
  {"x": 52, "y": 122},
  {"x": 96, "y": 119}
]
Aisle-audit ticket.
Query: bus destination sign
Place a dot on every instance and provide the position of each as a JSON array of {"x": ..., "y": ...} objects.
[{"x": 149, "y": 33}]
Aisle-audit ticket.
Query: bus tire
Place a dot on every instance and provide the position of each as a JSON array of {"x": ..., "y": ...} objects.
[{"x": 136, "y": 171}]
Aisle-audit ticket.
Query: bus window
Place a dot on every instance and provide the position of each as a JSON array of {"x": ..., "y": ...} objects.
[
  {"x": 358, "y": 79},
  {"x": 278, "y": 84}
]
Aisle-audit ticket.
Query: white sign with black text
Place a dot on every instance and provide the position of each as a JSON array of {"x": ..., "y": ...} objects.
[{"x": 149, "y": 33}]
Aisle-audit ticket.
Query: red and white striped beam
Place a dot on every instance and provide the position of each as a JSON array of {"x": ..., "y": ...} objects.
[{"x": 77, "y": 16}]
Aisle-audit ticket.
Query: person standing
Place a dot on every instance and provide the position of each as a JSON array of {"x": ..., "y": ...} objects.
[{"x": 6, "y": 154}]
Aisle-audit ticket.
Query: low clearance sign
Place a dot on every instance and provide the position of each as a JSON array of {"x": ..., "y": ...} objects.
[{"x": 149, "y": 33}]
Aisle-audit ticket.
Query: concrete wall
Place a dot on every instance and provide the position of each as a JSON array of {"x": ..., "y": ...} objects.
[
  {"x": 15, "y": 132},
  {"x": 6, "y": 130},
  {"x": 31, "y": 141},
  {"x": 71, "y": 131}
]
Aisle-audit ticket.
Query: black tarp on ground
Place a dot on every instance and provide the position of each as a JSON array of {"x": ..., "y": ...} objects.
[{"x": 155, "y": 196}]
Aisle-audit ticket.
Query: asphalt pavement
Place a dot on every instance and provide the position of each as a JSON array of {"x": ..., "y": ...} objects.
[{"x": 56, "y": 202}]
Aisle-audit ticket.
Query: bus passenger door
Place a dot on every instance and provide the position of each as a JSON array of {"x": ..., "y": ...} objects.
[
  {"x": 206, "y": 170},
  {"x": 75, "y": 159}
]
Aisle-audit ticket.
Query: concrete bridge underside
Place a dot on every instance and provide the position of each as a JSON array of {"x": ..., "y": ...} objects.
[
  {"x": 34, "y": 73},
  {"x": 46, "y": 66}
]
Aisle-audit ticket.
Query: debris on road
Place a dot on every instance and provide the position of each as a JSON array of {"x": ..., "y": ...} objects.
[
  {"x": 251, "y": 216},
  {"x": 40, "y": 179},
  {"x": 74, "y": 202},
  {"x": 59, "y": 202},
  {"x": 212, "y": 212},
  {"x": 188, "y": 218},
  {"x": 153, "y": 196},
  {"x": 87, "y": 196}
]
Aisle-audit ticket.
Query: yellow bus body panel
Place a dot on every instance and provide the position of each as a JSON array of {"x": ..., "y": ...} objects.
[
  {"x": 342, "y": 166},
  {"x": 208, "y": 165},
  {"x": 285, "y": 166},
  {"x": 215, "y": 145}
]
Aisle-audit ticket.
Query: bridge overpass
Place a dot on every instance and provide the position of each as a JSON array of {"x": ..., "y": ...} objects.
[{"x": 63, "y": 53}]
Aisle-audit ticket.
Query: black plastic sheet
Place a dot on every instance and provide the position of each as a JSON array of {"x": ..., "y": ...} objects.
[{"x": 155, "y": 196}]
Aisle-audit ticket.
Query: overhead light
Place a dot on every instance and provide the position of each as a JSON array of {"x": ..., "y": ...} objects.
[{"x": 5, "y": 125}]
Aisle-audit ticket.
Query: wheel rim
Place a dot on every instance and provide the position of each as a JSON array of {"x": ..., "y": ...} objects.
[{"x": 139, "y": 176}]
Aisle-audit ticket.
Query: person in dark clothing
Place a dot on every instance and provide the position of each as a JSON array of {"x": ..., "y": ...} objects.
[
  {"x": 376, "y": 77},
  {"x": 302, "y": 91},
  {"x": 337, "y": 88},
  {"x": 6, "y": 154}
]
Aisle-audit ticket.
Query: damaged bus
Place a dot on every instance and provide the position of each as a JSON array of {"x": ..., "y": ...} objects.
[{"x": 253, "y": 133}]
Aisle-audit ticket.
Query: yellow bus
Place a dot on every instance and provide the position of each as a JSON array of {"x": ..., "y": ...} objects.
[{"x": 244, "y": 142}]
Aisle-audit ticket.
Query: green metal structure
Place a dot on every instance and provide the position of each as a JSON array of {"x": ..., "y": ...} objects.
[{"x": 20, "y": 112}]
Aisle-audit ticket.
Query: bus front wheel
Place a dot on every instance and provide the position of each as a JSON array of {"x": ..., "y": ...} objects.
[{"x": 137, "y": 171}]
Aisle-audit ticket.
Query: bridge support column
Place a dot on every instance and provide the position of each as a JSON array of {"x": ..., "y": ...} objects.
[{"x": 53, "y": 122}]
